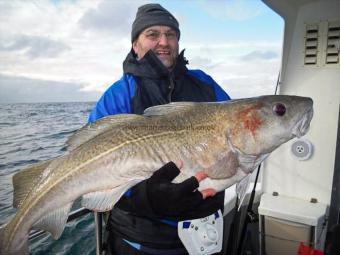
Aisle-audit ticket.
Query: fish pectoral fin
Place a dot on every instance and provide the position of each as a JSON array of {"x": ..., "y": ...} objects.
[
  {"x": 249, "y": 162},
  {"x": 54, "y": 222},
  {"x": 241, "y": 189},
  {"x": 104, "y": 200},
  {"x": 91, "y": 130},
  {"x": 25, "y": 181}
]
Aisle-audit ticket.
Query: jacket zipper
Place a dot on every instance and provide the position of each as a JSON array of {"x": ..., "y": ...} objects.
[{"x": 171, "y": 88}]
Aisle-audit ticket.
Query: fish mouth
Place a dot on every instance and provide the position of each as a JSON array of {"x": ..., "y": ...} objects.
[{"x": 302, "y": 126}]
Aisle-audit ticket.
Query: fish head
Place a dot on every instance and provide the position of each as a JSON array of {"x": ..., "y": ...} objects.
[{"x": 262, "y": 124}]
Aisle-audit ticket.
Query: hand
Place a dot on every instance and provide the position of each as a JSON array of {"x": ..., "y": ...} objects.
[
  {"x": 200, "y": 176},
  {"x": 178, "y": 201},
  {"x": 161, "y": 181}
]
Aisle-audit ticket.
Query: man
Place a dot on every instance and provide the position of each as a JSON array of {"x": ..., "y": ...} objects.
[{"x": 144, "y": 221}]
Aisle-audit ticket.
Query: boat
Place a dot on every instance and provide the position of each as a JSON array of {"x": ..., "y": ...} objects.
[
  {"x": 294, "y": 199},
  {"x": 300, "y": 197}
]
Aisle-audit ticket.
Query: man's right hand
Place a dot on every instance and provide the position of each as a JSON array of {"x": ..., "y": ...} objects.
[{"x": 159, "y": 197}]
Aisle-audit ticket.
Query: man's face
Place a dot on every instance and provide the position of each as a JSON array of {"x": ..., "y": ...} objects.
[{"x": 162, "y": 40}]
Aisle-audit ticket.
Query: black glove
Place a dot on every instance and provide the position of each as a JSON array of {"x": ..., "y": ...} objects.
[{"x": 159, "y": 197}]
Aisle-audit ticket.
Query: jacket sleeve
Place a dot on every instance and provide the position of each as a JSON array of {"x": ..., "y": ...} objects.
[
  {"x": 115, "y": 100},
  {"x": 220, "y": 94}
]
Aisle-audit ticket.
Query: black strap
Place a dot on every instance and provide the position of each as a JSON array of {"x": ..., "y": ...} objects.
[{"x": 178, "y": 251}]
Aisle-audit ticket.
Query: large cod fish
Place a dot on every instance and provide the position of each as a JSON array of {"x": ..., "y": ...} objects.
[{"x": 226, "y": 140}]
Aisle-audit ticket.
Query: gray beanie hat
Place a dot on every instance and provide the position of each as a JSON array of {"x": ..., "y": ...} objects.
[{"x": 152, "y": 15}]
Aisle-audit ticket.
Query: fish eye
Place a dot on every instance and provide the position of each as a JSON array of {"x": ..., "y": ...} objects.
[{"x": 279, "y": 109}]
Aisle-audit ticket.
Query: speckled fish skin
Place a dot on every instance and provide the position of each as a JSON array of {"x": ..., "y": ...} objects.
[{"x": 227, "y": 140}]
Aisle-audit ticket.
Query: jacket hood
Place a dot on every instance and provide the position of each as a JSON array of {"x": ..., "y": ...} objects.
[{"x": 151, "y": 67}]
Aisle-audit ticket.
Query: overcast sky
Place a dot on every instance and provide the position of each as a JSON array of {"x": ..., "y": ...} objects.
[{"x": 72, "y": 50}]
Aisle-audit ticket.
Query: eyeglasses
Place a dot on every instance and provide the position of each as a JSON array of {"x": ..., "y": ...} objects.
[{"x": 156, "y": 35}]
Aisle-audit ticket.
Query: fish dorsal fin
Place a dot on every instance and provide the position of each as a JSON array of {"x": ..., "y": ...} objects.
[
  {"x": 91, "y": 130},
  {"x": 102, "y": 201},
  {"x": 25, "y": 181},
  {"x": 55, "y": 221},
  {"x": 166, "y": 109}
]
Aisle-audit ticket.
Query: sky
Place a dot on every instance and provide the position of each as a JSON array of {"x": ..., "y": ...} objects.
[{"x": 72, "y": 50}]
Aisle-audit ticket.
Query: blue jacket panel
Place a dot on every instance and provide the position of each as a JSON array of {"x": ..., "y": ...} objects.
[
  {"x": 118, "y": 97},
  {"x": 221, "y": 95}
]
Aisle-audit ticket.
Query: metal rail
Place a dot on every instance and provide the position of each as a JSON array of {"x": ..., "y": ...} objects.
[{"x": 98, "y": 222}]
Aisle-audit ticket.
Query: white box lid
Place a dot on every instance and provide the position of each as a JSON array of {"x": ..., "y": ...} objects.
[{"x": 292, "y": 209}]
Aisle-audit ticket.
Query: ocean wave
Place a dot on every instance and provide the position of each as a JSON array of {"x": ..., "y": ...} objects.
[
  {"x": 31, "y": 133},
  {"x": 61, "y": 134},
  {"x": 7, "y": 124}
]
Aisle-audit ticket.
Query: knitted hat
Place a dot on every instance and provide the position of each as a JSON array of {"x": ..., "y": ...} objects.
[{"x": 152, "y": 15}]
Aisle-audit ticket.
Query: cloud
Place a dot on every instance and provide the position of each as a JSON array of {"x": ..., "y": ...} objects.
[
  {"x": 34, "y": 46},
  {"x": 73, "y": 50},
  {"x": 238, "y": 10},
  {"x": 227, "y": 64},
  {"x": 199, "y": 61},
  {"x": 6, "y": 9},
  {"x": 256, "y": 55},
  {"x": 55, "y": 47},
  {"x": 16, "y": 89},
  {"x": 114, "y": 17},
  {"x": 242, "y": 79},
  {"x": 249, "y": 86}
]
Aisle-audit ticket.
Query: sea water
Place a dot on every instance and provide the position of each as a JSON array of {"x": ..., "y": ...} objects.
[{"x": 30, "y": 133}]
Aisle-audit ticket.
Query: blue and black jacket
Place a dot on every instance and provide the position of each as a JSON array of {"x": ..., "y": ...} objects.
[{"x": 145, "y": 83}]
